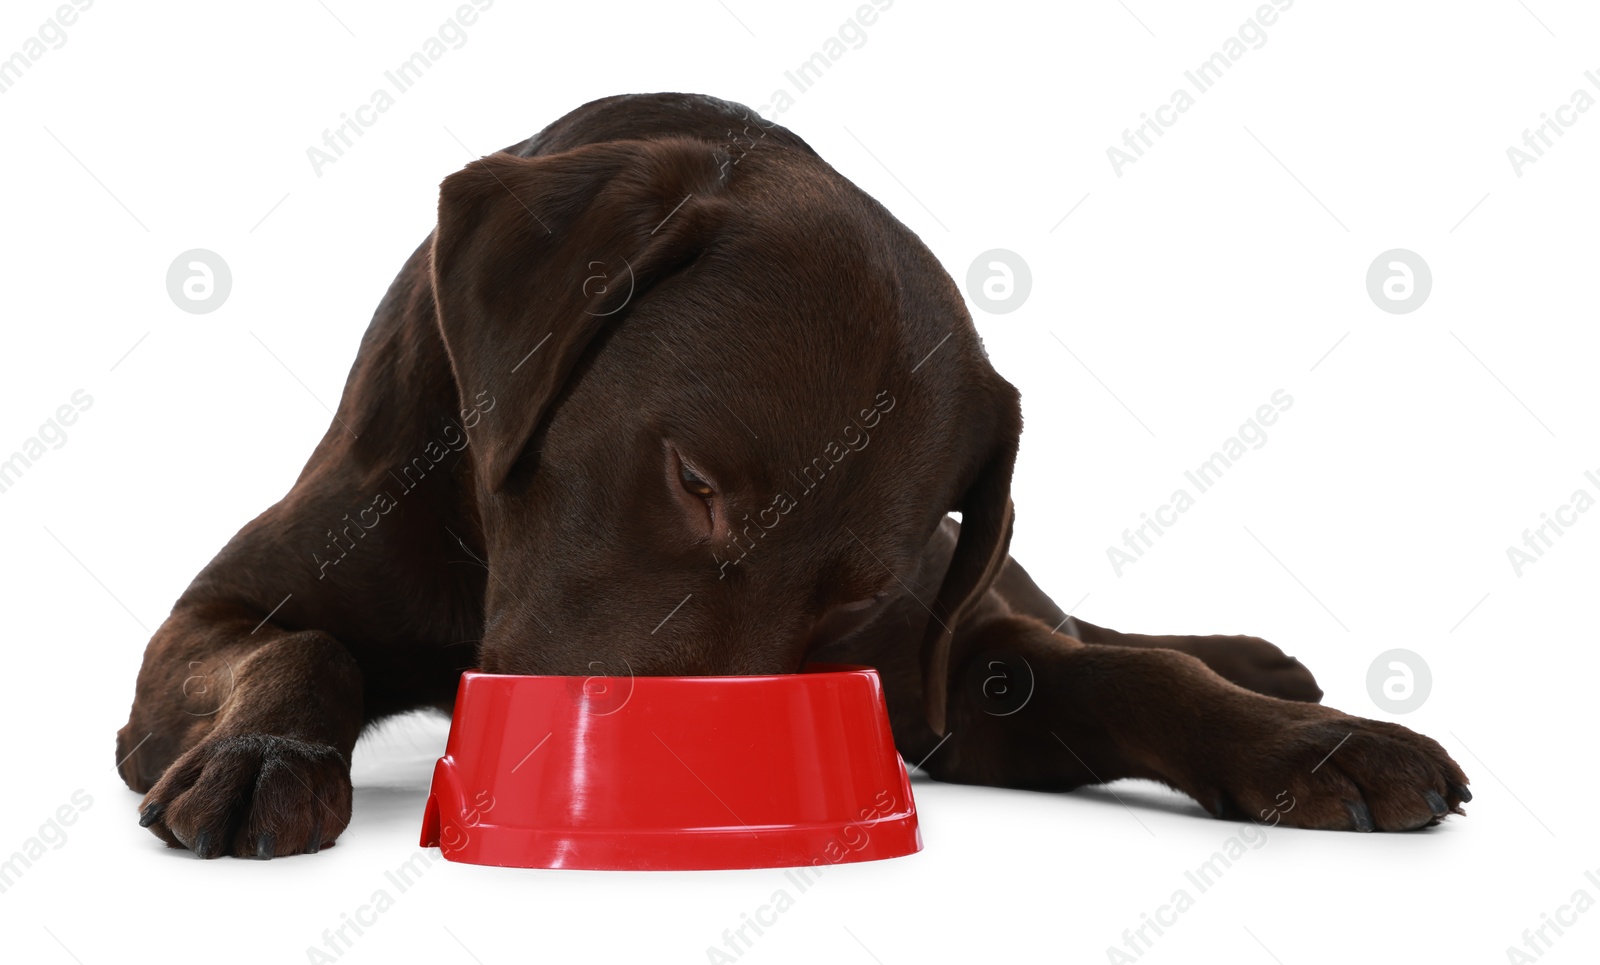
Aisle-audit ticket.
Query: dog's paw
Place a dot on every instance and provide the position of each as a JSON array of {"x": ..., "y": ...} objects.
[
  {"x": 1257, "y": 665},
  {"x": 1331, "y": 771},
  {"x": 251, "y": 796}
]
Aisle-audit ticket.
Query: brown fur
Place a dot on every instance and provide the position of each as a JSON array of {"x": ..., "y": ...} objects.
[{"x": 663, "y": 283}]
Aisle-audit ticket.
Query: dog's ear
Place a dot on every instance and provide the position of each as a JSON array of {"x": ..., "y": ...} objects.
[
  {"x": 981, "y": 549},
  {"x": 534, "y": 257}
]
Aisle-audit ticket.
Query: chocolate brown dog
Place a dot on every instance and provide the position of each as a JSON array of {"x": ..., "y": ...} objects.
[{"x": 720, "y": 404}]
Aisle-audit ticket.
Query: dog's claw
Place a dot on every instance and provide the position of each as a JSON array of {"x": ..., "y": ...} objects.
[
  {"x": 1436, "y": 804},
  {"x": 246, "y": 796},
  {"x": 1461, "y": 792},
  {"x": 152, "y": 814},
  {"x": 1360, "y": 814}
]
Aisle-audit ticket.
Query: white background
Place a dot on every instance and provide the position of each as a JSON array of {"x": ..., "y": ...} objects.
[{"x": 1227, "y": 263}]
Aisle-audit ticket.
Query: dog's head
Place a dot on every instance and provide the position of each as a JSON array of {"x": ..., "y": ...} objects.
[{"x": 717, "y": 407}]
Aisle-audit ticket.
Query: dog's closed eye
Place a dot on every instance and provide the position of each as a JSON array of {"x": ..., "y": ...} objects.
[
  {"x": 694, "y": 483},
  {"x": 697, "y": 496}
]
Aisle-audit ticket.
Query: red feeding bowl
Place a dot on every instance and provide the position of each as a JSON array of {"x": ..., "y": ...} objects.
[{"x": 671, "y": 773}]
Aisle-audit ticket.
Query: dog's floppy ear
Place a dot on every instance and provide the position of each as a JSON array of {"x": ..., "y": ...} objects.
[
  {"x": 535, "y": 256},
  {"x": 981, "y": 549}
]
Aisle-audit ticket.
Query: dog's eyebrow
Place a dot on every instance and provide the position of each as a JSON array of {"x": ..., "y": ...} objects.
[{"x": 703, "y": 385}]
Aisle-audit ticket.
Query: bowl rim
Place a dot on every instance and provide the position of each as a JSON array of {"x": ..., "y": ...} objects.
[{"x": 810, "y": 671}]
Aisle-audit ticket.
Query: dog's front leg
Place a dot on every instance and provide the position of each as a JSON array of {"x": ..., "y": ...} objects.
[
  {"x": 241, "y": 733},
  {"x": 1250, "y": 662},
  {"x": 1094, "y": 713}
]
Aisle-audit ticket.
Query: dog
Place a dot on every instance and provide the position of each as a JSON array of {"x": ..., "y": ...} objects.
[{"x": 665, "y": 394}]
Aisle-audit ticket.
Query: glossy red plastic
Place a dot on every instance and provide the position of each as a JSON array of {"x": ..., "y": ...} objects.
[{"x": 671, "y": 773}]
